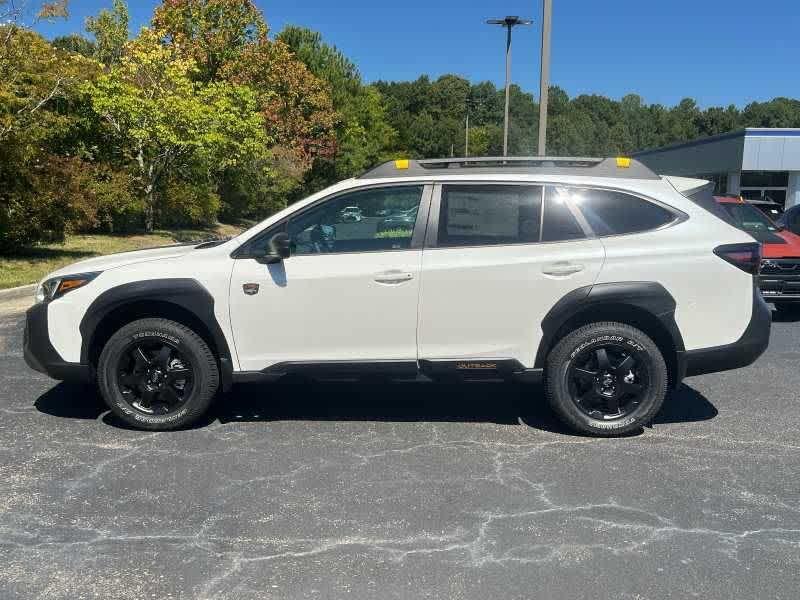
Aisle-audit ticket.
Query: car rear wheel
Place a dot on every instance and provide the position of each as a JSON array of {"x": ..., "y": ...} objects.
[
  {"x": 606, "y": 379},
  {"x": 157, "y": 374}
]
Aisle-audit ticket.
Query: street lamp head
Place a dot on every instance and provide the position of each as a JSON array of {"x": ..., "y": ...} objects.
[{"x": 511, "y": 21}]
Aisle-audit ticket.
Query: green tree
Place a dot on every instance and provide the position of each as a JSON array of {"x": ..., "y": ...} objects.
[
  {"x": 779, "y": 112},
  {"x": 75, "y": 42},
  {"x": 163, "y": 120},
  {"x": 363, "y": 134},
  {"x": 110, "y": 30},
  {"x": 39, "y": 96},
  {"x": 211, "y": 32}
]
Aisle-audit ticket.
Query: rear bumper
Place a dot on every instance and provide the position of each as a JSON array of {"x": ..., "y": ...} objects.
[
  {"x": 743, "y": 352},
  {"x": 39, "y": 352}
]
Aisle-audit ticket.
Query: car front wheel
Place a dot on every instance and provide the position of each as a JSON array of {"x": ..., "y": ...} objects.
[
  {"x": 157, "y": 374},
  {"x": 606, "y": 379}
]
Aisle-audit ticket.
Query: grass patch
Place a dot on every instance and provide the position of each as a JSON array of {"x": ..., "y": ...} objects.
[{"x": 29, "y": 265}]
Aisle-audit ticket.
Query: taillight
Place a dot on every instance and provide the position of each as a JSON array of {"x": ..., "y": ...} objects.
[{"x": 745, "y": 256}]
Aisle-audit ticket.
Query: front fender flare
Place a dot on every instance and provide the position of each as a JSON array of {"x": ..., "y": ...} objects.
[{"x": 188, "y": 294}]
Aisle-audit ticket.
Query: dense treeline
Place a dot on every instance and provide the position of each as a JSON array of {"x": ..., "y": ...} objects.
[{"x": 205, "y": 115}]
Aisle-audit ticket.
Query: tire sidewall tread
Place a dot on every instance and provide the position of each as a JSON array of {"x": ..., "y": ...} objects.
[
  {"x": 559, "y": 397},
  {"x": 206, "y": 373}
]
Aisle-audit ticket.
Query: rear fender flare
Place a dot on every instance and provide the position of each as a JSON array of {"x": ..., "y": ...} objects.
[{"x": 646, "y": 296}]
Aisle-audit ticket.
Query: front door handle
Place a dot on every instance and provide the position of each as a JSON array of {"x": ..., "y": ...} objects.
[
  {"x": 393, "y": 277},
  {"x": 562, "y": 269}
]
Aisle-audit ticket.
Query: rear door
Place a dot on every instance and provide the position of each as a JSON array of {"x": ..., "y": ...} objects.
[{"x": 497, "y": 258}]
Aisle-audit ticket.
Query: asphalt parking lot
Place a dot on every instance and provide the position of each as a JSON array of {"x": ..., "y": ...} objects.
[{"x": 401, "y": 491}]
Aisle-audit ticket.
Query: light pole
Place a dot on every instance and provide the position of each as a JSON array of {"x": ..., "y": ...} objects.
[
  {"x": 509, "y": 23},
  {"x": 544, "y": 82}
]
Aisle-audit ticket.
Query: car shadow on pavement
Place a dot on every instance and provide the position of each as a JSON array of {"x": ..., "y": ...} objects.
[
  {"x": 71, "y": 401},
  {"x": 298, "y": 400},
  {"x": 499, "y": 403}
]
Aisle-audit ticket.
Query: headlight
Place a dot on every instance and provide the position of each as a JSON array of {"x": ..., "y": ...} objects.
[{"x": 58, "y": 286}]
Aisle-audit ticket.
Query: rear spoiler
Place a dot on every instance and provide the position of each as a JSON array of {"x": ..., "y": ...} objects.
[
  {"x": 688, "y": 186},
  {"x": 701, "y": 192}
]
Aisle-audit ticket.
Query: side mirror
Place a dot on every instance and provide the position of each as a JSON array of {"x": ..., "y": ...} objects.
[{"x": 279, "y": 248}]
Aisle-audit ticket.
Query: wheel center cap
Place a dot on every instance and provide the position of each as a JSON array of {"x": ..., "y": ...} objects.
[
  {"x": 607, "y": 384},
  {"x": 156, "y": 377}
]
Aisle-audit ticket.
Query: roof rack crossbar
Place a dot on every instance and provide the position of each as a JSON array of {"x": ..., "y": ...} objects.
[
  {"x": 511, "y": 161},
  {"x": 517, "y": 165}
]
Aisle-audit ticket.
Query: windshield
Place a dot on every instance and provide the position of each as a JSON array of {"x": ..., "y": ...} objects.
[{"x": 749, "y": 218}]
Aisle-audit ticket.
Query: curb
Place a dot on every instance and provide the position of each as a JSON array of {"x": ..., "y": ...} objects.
[{"x": 17, "y": 292}]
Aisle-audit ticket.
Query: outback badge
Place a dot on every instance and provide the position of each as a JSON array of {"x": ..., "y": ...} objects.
[{"x": 251, "y": 289}]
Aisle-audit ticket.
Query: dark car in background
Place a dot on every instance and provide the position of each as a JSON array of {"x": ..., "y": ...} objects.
[{"x": 790, "y": 219}]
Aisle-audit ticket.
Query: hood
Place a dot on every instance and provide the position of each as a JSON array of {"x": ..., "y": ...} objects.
[
  {"x": 788, "y": 245},
  {"x": 112, "y": 261}
]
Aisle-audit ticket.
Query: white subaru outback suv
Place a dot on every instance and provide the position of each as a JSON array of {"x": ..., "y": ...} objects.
[{"x": 597, "y": 276}]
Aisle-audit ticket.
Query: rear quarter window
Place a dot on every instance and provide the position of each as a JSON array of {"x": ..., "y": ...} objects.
[{"x": 616, "y": 213}]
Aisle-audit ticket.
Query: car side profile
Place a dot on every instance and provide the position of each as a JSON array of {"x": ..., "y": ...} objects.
[{"x": 593, "y": 276}]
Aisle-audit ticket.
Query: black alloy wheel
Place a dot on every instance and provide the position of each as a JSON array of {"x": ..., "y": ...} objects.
[
  {"x": 154, "y": 377},
  {"x": 607, "y": 382},
  {"x": 606, "y": 379}
]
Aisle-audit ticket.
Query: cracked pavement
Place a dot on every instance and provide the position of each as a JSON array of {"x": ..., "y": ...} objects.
[{"x": 403, "y": 490}]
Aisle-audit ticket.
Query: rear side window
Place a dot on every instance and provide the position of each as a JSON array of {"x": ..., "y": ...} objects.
[
  {"x": 617, "y": 213},
  {"x": 485, "y": 215}
]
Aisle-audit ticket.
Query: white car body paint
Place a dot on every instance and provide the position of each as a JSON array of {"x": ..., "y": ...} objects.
[{"x": 464, "y": 302}]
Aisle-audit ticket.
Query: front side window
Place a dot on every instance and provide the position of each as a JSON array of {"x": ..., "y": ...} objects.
[
  {"x": 486, "y": 215},
  {"x": 616, "y": 213},
  {"x": 364, "y": 221}
]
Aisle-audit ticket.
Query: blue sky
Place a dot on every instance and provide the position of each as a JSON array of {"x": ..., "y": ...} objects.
[{"x": 716, "y": 51}]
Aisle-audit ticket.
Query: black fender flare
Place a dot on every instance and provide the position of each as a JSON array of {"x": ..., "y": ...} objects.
[
  {"x": 187, "y": 294},
  {"x": 648, "y": 296}
]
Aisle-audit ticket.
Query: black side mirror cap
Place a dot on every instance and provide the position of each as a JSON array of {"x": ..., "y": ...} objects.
[{"x": 279, "y": 248}]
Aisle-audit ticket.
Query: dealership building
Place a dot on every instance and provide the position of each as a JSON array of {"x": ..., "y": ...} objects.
[{"x": 753, "y": 163}]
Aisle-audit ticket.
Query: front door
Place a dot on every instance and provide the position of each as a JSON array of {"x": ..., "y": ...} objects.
[
  {"x": 348, "y": 292},
  {"x": 497, "y": 265}
]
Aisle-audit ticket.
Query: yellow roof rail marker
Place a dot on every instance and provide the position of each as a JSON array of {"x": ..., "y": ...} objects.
[
  {"x": 401, "y": 164},
  {"x": 623, "y": 163}
]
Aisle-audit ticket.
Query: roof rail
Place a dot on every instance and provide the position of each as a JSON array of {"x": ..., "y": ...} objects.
[{"x": 624, "y": 168}]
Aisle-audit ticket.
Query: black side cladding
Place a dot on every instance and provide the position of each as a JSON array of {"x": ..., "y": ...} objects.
[
  {"x": 187, "y": 294},
  {"x": 648, "y": 296},
  {"x": 39, "y": 353}
]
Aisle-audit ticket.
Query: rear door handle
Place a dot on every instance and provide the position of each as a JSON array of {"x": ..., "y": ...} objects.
[
  {"x": 562, "y": 269},
  {"x": 393, "y": 277}
]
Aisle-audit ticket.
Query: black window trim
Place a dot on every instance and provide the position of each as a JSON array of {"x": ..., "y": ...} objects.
[
  {"x": 417, "y": 238},
  {"x": 432, "y": 238},
  {"x": 678, "y": 215}
]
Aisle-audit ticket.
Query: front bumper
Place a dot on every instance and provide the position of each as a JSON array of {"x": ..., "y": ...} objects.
[
  {"x": 39, "y": 353},
  {"x": 780, "y": 279},
  {"x": 743, "y": 352}
]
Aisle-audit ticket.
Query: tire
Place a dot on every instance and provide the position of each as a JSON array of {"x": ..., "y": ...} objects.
[
  {"x": 157, "y": 375},
  {"x": 586, "y": 377}
]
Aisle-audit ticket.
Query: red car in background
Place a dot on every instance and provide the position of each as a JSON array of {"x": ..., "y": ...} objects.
[{"x": 780, "y": 249}]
